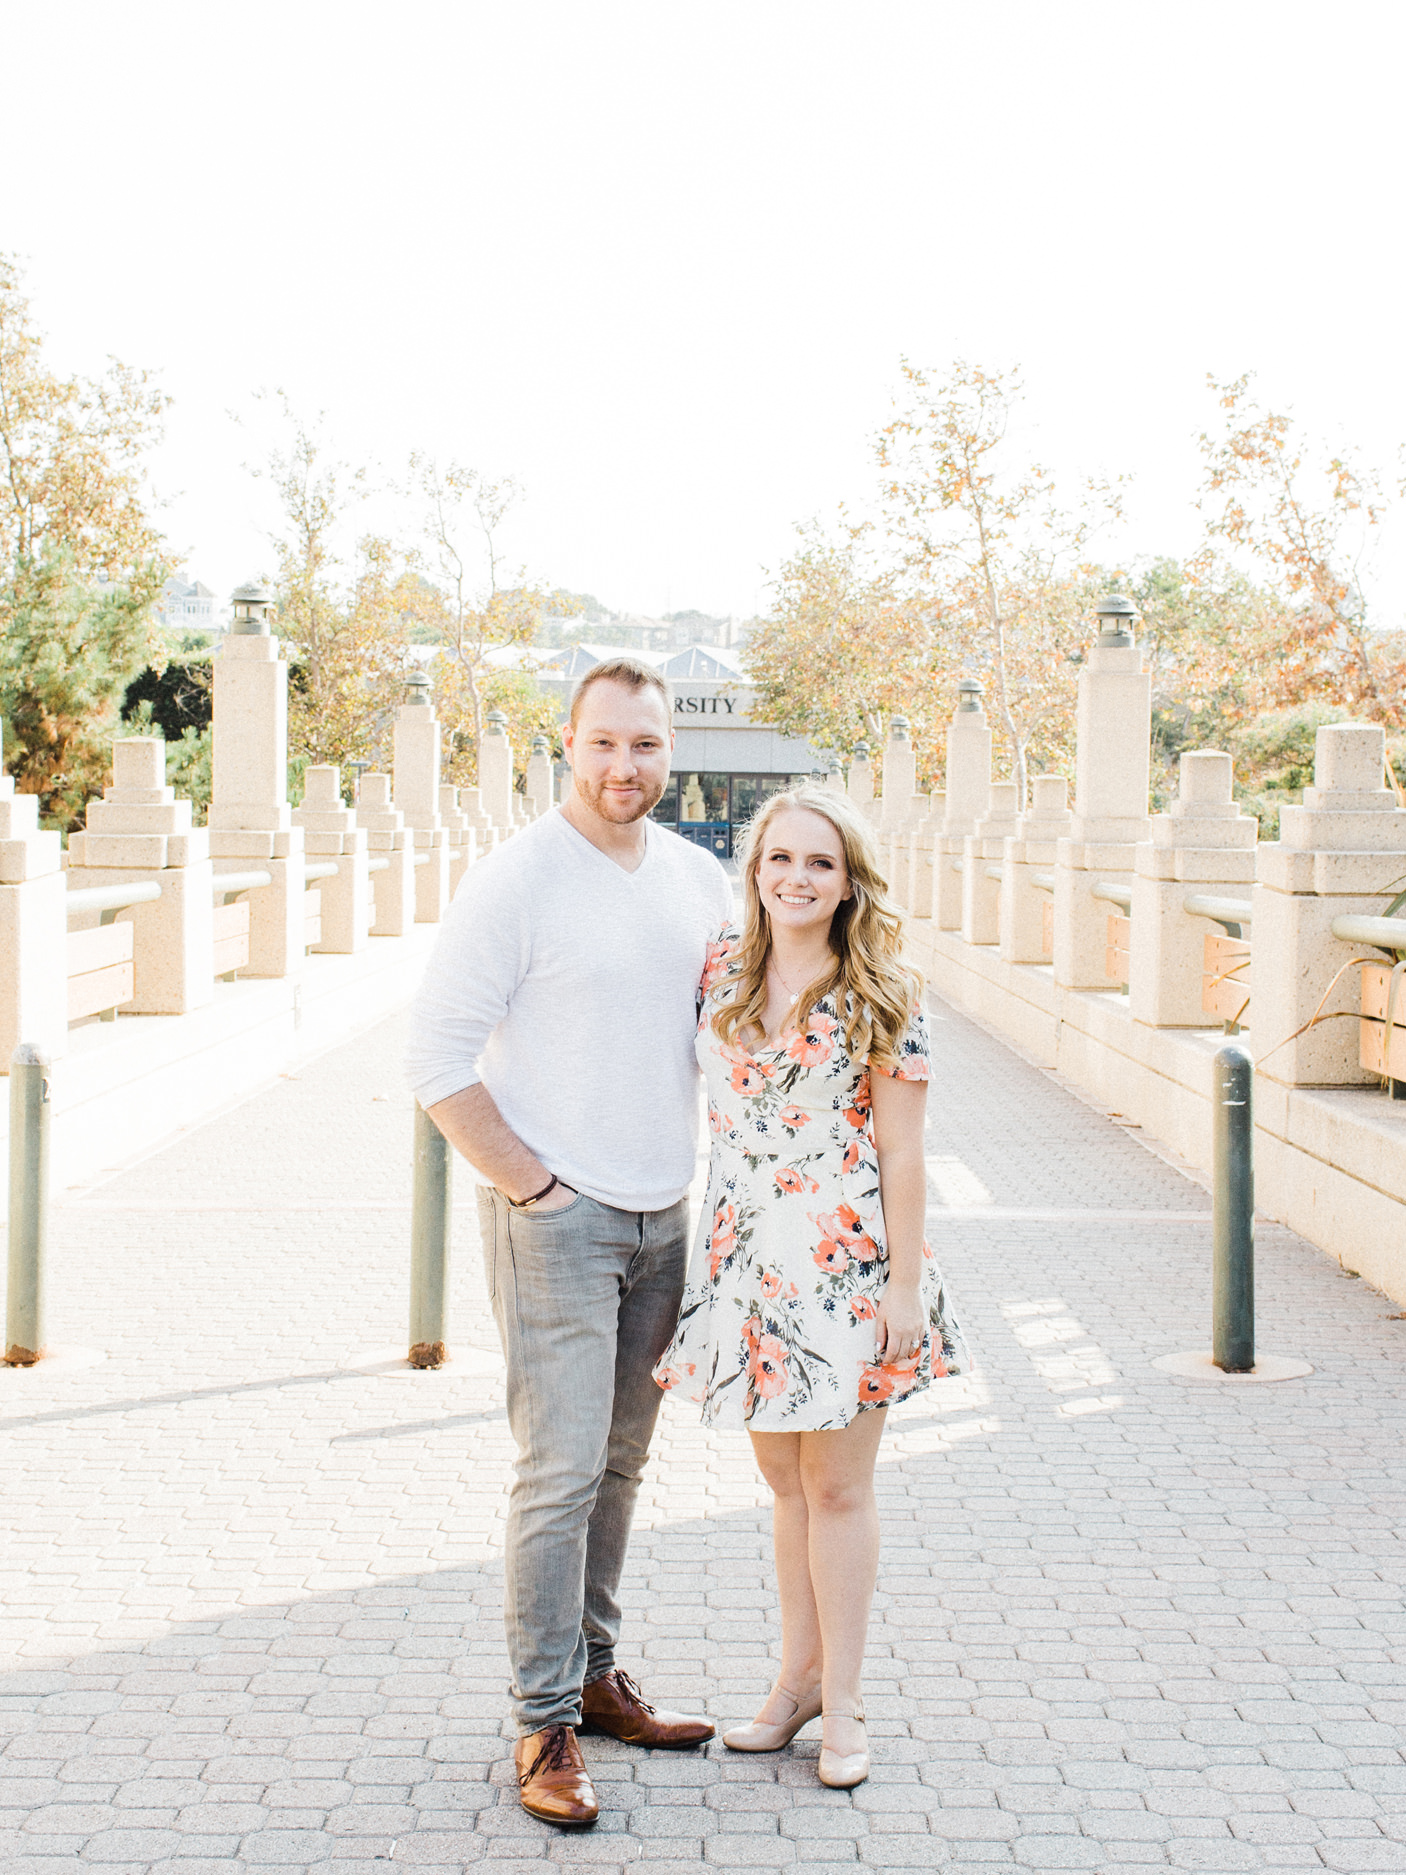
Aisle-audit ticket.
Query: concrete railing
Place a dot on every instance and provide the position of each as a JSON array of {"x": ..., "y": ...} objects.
[{"x": 1115, "y": 945}]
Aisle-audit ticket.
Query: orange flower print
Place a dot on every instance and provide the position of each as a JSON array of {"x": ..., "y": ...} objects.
[
  {"x": 794, "y": 1117},
  {"x": 939, "y": 1365},
  {"x": 719, "y": 1122},
  {"x": 769, "y": 1367},
  {"x": 875, "y": 1386},
  {"x": 748, "y": 1078},
  {"x": 724, "y": 1239},
  {"x": 853, "y": 1156},
  {"x": 675, "y": 1376},
  {"x": 903, "y": 1373},
  {"x": 815, "y": 1044},
  {"x": 862, "y": 1309},
  {"x": 771, "y": 1285},
  {"x": 790, "y": 1180},
  {"x": 752, "y": 1332},
  {"x": 715, "y": 964},
  {"x": 832, "y": 1256},
  {"x": 845, "y": 1227},
  {"x": 857, "y": 1113}
]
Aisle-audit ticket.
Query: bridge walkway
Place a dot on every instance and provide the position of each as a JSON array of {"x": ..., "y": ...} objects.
[{"x": 249, "y": 1579}]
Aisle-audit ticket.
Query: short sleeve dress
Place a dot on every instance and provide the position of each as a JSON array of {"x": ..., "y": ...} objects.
[{"x": 776, "y": 1330}]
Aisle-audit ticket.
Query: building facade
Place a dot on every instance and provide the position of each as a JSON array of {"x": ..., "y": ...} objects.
[{"x": 188, "y": 605}]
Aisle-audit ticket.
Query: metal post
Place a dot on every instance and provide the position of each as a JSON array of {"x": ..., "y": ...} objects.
[
  {"x": 1233, "y": 1211},
  {"x": 29, "y": 1205},
  {"x": 429, "y": 1243}
]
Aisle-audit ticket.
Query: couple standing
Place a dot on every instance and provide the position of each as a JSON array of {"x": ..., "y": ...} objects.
[{"x": 584, "y": 973}]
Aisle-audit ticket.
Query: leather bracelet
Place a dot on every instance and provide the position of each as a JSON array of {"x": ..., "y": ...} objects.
[{"x": 521, "y": 1204}]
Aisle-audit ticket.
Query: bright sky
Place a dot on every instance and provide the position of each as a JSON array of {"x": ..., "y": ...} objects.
[{"x": 660, "y": 261}]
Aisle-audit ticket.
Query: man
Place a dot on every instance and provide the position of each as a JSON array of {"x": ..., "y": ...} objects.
[{"x": 552, "y": 1044}]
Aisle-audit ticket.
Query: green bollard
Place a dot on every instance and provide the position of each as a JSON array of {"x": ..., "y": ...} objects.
[
  {"x": 29, "y": 1205},
  {"x": 1233, "y": 1211},
  {"x": 429, "y": 1243}
]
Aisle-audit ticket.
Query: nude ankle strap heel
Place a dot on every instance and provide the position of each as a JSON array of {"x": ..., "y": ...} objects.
[
  {"x": 842, "y": 1770},
  {"x": 759, "y": 1737}
]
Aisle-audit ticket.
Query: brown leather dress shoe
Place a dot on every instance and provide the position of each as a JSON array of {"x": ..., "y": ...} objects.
[
  {"x": 615, "y": 1704},
  {"x": 552, "y": 1779}
]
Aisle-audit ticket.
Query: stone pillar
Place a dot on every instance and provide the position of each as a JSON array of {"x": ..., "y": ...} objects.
[
  {"x": 331, "y": 832},
  {"x": 139, "y": 831},
  {"x": 1342, "y": 852},
  {"x": 471, "y": 807},
  {"x": 920, "y": 856},
  {"x": 33, "y": 930},
  {"x": 495, "y": 773},
  {"x": 1205, "y": 844},
  {"x": 463, "y": 841},
  {"x": 416, "y": 792},
  {"x": 834, "y": 782},
  {"x": 900, "y": 779},
  {"x": 968, "y": 796},
  {"x": 539, "y": 778},
  {"x": 1110, "y": 797},
  {"x": 393, "y": 888},
  {"x": 861, "y": 779},
  {"x": 1030, "y": 850},
  {"x": 250, "y": 822},
  {"x": 983, "y": 847},
  {"x": 894, "y": 859}
]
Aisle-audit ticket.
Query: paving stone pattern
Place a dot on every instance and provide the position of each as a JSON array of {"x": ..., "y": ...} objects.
[{"x": 249, "y": 1572}]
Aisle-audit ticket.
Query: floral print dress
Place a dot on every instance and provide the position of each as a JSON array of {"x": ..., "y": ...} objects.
[{"x": 776, "y": 1330}]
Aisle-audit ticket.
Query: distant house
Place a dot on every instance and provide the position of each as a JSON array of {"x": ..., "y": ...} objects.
[{"x": 187, "y": 606}]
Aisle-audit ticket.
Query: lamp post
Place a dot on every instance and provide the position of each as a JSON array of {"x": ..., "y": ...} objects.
[
  {"x": 969, "y": 695},
  {"x": 251, "y": 604},
  {"x": 1115, "y": 614}
]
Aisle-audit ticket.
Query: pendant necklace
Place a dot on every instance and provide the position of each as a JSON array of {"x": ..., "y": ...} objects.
[{"x": 793, "y": 994}]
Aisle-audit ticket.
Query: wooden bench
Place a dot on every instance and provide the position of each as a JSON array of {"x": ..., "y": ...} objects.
[
  {"x": 1225, "y": 978},
  {"x": 101, "y": 973}
]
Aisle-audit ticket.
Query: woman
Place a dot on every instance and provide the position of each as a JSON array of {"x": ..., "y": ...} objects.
[{"x": 812, "y": 1300}]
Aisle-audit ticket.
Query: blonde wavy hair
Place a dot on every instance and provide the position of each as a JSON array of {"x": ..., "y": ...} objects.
[{"x": 874, "y": 993}]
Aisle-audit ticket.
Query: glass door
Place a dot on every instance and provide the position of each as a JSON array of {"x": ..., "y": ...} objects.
[{"x": 703, "y": 816}]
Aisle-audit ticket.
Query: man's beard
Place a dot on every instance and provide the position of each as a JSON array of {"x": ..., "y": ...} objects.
[{"x": 601, "y": 801}]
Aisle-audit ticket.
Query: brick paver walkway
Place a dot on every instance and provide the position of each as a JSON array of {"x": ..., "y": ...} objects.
[{"x": 249, "y": 1574}]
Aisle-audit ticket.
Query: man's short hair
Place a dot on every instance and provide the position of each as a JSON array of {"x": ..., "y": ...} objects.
[{"x": 632, "y": 672}]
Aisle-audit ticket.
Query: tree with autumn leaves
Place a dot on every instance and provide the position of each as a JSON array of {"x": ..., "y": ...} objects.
[
  {"x": 976, "y": 566},
  {"x": 350, "y": 629},
  {"x": 81, "y": 559}
]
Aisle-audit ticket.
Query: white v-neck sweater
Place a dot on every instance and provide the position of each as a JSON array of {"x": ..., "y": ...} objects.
[{"x": 568, "y": 986}]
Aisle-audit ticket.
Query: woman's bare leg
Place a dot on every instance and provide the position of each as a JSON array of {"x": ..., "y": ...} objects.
[
  {"x": 779, "y": 1457},
  {"x": 842, "y": 1522}
]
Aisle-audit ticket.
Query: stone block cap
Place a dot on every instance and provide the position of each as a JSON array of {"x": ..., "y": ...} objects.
[
  {"x": 1349, "y": 758},
  {"x": 375, "y": 791},
  {"x": 1050, "y": 794},
  {"x": 898, "y": 729},
  {"x": 497, "y": 722},
  {"x": 139, "y": 762},
  {"x": 322, "y": 788},
  {"x": 417, "y": 688},
  {"x": 969, "y": 694}
]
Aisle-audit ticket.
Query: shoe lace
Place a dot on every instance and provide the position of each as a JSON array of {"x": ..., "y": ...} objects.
[
  {"x": 553, "y": 1756},
  {"x": 631, "y": 1691}
]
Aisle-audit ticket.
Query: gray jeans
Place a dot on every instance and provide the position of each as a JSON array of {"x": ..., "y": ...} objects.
[{"x": 586, "y": 1299}]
